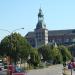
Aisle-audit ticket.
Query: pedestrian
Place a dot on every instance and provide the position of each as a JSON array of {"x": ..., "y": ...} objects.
[{"x": 11, "y": 69}]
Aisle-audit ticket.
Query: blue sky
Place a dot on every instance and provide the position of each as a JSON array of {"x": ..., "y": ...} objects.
[{"x": 14, "y": 14}]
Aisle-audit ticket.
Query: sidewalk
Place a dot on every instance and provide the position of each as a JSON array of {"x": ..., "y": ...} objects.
[{"x": 66, "y": 71}]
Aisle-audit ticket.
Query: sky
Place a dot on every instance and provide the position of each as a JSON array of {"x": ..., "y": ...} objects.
[{"x": 15, "y": 14}]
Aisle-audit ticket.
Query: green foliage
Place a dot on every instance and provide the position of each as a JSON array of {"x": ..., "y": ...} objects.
[
  {"x": 50, "y": 53},
  {"x": 72, "y": 49},
  {"x": 35, "y": 59},
  {"x": 56, "y": 54},
  {"x": 65, "y": 53},
  {"x": 5, "y": 46},
  {"x": 15, "y": 46},
  {"x": 57, "y": 57},
  {"x": 46, "y": 52}
]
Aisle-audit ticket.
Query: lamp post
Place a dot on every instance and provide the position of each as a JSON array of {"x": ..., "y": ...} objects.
[
  {"x": 71, "y": 71},
  {"x": 41, "y": 57},
  {"x": 29, "y": 57},
  {"x": 11, "y": 39},
  {"x": 12, "y": 31}
]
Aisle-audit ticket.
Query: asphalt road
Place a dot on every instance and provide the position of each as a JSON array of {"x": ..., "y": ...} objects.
[
  {"x": 52, "y": 70},
  {"x": 3, "y": 72}
]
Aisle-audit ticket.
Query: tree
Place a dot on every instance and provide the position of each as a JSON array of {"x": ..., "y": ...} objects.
[
  {"x": 72, "y": 49},
  {"x": 57, "y": 57},
  {"x": 66, "y": 54},
  {"x": 50, "y": 53},
  {"x": 15, "y": 46},
  {"x": 46, "y": 52},
  {"x": 34, "y": 57}
]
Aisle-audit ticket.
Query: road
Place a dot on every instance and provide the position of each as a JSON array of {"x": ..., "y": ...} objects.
[
  {"x": 52, "y": 70},
  {"x": 3, "y": 72},
  {"x": 73, "y": 72}
]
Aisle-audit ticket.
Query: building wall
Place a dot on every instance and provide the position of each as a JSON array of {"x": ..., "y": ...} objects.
[
  {"x": 63, "y": 39},
  {"x": 41, "y": 36}
]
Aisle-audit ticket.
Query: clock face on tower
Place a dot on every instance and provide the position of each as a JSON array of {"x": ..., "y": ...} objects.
[{"x": 40, "y": 19}]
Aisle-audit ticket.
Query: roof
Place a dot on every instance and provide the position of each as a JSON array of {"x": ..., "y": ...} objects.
[
  {"x": 53, "y": 33},
  {"x": 40, "y": 24},
  {"x": 30, "y": 35},
  {"x": 61, "y": 32}
]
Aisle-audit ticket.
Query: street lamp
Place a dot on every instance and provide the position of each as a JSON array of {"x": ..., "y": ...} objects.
[
  {"x": 41, "y": 56},
  {"x": 29, "y": 57},
  {"x": 16, "y": 30},
  {"x": 11, "y": 38},
  {"x": 12, "y": 31}
]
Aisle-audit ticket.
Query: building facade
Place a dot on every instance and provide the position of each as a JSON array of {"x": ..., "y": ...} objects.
[{"x": 42, "y": 36}]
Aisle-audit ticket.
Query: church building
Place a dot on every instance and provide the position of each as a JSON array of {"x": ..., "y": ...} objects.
[{"x": 42, "y": 36}]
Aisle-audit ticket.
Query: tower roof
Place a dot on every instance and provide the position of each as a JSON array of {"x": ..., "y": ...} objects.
[
  {"x": 41, "y": 23},
  {"x": 40, "y": 14}
]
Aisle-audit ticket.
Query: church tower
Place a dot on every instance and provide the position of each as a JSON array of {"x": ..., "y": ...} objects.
[{"x": 41, "y": 33}]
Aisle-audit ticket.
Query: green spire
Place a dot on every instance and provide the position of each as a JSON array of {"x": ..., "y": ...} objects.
[
  {"x": 40, "y": 14},
  {"x": 41, "y": 23}
]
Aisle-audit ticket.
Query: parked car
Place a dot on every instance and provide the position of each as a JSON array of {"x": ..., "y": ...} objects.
[
  {"x": 5, "y": 65},
  {"x": 1, "y": 65}
]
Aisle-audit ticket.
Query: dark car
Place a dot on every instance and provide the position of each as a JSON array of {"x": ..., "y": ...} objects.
[{"x": 5, "y": 65}]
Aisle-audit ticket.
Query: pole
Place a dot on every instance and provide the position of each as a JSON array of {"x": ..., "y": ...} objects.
[
  {"x": 71, "y": 71},
  {"x": 35, "y": 42}
]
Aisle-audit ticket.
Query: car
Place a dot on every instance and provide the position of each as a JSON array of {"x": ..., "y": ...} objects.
[
  {"x": 1, "y": 64},
  {"x": 5, "y": 65}
]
